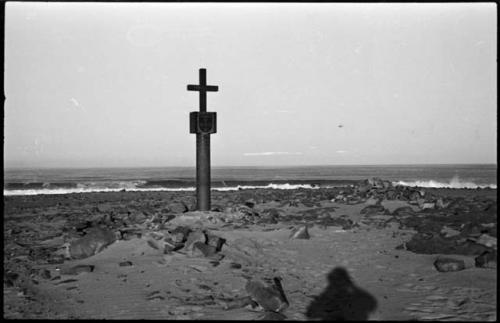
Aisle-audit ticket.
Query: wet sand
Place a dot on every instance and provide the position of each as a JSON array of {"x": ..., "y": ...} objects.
[{"x": 356, "y": 264}]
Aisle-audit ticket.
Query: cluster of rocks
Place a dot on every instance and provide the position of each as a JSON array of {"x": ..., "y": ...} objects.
[
  {"x": 91, "y": 236},
  {"x": 377, "y": 190},
  {"x": 444, "y": 225}
]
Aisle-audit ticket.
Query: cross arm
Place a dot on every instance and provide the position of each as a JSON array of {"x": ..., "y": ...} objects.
[{"x": 208, "y": 88}]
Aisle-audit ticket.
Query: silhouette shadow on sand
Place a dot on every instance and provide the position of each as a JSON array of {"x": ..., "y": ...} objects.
[{"x": 341, "y": 300}]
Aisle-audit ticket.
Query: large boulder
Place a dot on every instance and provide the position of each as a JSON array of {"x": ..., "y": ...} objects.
[
  {"x": 429, "y": 243},
  {"x": 443, "y": 264},
  {"x": 90, "y": 244},
  {"x": 270, "y": 296}
]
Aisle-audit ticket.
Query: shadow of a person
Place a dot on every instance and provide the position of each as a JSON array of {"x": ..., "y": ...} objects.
[{"x": 341, "y": 300}]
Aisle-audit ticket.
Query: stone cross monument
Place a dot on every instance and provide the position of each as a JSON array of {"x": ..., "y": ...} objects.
[{"x": 203, "y": 124}]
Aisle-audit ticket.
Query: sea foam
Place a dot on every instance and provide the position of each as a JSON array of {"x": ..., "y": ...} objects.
[
  {"x": 455, "y": 182},
  {"x": 94, "y": 189}
]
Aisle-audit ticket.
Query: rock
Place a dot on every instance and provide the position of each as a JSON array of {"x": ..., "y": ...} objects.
[
  {"x": 10, "y": 278},
  {"x": 215, "y": 241},
  {"x": 177, "y": 207},
  {"x": 156, "y": 244},
  {"x": 180, "y": 234},
  {"x": 346, "y": 224},
  {"x": 195, "y": 236},
  {"x": 449, "y": 264},
  {"x": 272, "y": 316},
  {"x": 402, "y": 211},
  {"x": 216, "y": 208},
  {"x": 390, "y": 194},
  {"x": 414, "y": 196},
  {"x": 128, "y": 234},
  {"x": 245, "y": 250},
  {"x": 169, "y": 246},
  {"x": 487, "y": 240},
  {"x": 363, "y": 187},
  {"x": 137, "y": 217},
  {"x": 75, "y": 270},
  {"x": 250, "y": 203},
  {"x": 487, "y": 259},
  {"x": 300, "y": 233},
  {"x": 373, "y": 201},
  {"x": 206, "y": 250},
  {"x": 448, "y": 232},
  {"x": 67, "y": 281},
  {"x": 375, "y": 182},
  {"x": 239, "y": 303},
  {"x": 235, "y": 265},
  {"x": 269, "y": 216},
  {"x": 45, "y": 274},
  {"x": 92, "y": 243},
  {"x": 429, "y": 243},
  {"x": 269, "y": 297},
  {"x": 125, "y": 263},
  {"x": 440, "y": 204},
  {"x": 426, "y": 206},
  {"x": 372, "y": 209},
  {"x": 81, "y": 226}
]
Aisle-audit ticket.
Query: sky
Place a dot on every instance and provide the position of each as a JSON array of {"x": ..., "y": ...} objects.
[{"x": 104, "y": 84}]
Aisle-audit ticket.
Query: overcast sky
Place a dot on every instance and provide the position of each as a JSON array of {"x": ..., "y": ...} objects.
[{"x": 104, "y": 84}]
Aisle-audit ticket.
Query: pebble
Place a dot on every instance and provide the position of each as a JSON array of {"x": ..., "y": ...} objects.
[
  {"x": 67, "y": 281},
  {"x": 235, "y": 265},
  {"x": 300, "y": 233},
  {"x": 199, "y": 268},
  {"x": 125, "y": 263}
]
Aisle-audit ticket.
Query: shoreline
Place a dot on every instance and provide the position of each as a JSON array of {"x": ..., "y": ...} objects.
[{"x": 444, "y": 191}]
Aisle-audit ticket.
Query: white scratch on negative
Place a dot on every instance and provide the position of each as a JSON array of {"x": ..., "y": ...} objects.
[
  {"x": 270, "y": 153},
  {"x": 76, "y": 103}
]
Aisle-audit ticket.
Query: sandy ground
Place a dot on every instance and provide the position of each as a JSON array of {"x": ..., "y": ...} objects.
[{"x": 357, "y": 271}]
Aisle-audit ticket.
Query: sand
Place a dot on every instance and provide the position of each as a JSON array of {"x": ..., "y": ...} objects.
[{"x": 355, "y": 271}]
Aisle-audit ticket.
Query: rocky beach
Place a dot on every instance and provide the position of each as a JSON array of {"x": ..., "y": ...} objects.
[{"x": 369, "y": 251}]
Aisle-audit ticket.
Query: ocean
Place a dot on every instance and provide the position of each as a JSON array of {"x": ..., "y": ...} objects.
[{"x": 81, "y": 180}]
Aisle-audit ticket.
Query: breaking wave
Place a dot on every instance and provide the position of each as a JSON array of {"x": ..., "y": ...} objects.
[
  {"x": 455, "y": 182},
  {"x": 285, "y": 186},
  {"x": 88, "y": 188},
  {"x": 69, "y": 187}
]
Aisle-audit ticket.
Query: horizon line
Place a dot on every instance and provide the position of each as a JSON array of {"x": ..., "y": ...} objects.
[{"x": 243, "y": 166}]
